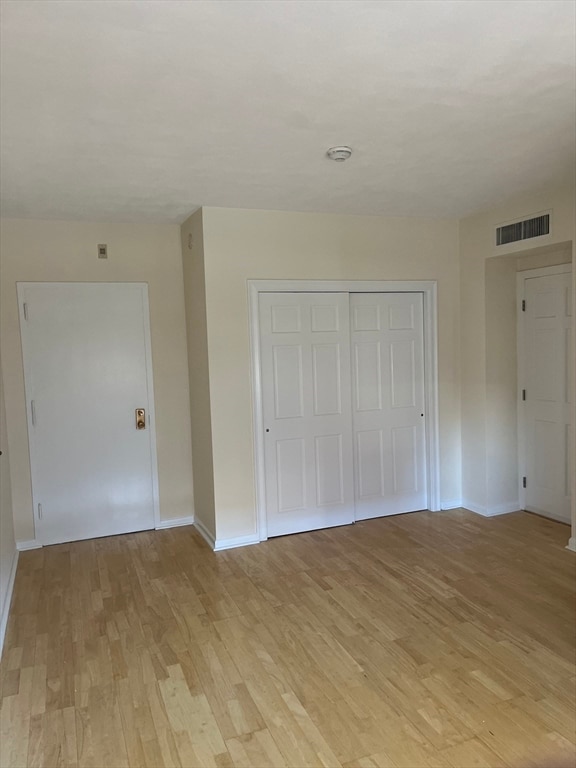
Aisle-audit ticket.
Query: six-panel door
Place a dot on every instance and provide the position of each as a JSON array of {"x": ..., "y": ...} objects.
[
  {"x": 548, "y": 346},
  {"x": 388, "y": 403},
  {"x": 305, "y": 349},
  {"x": 343, "y": 406}
]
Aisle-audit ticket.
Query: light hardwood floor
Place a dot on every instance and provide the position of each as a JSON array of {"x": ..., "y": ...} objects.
[{"x": 431, "y": 639}]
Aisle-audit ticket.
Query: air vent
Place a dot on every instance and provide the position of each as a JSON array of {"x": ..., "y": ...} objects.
[{"x": 525, "y": 229}]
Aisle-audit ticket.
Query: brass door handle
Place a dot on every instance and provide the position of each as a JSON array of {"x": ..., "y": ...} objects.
[{"x": 140, "y": 418}]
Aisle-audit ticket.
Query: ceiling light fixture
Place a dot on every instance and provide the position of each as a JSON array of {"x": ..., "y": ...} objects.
[{"x": 339, "y": 154}]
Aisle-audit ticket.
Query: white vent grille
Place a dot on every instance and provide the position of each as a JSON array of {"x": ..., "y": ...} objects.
[{"x": 536, "y": 226}]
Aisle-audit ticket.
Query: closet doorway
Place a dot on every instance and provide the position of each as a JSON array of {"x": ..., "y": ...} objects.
[{"x": 345, "y": 402}]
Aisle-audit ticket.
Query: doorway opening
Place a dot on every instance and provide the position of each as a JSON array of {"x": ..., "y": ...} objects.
[{"x": 545, "y": 378}]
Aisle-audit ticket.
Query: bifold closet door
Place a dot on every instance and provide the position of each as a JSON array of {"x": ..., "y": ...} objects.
[
  {"x": 387, "y": 335},
  {"x": 306, "y": 393}
]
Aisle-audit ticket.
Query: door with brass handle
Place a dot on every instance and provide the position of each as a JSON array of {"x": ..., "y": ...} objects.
[{"x": 140, "y": 418}]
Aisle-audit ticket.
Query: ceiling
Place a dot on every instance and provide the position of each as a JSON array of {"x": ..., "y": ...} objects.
[{"x": 145, "y": 110}]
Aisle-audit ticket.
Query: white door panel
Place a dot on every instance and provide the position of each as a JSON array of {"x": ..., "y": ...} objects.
[
  {"x": 87, "y": 370},
  {"x": 388, "y": 397},
  {"x": 305, "y": 353},
  {"x": 548, "y": 371}
]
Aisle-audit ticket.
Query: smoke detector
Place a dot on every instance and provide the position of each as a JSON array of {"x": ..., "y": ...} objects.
[{"x": 339, "y": 154}]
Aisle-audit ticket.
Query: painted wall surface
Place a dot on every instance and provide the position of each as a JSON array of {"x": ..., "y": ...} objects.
[
  {"x": 195, "y": 302},
  {"x": 488, "y": 472},
  {"x": 8, "y": 552},
  {"x": 501, "y": 384},
  {"x": 572, "y": 542},
  {"x": 247, "y": 244},
  {"x": 66, "y": 251}
]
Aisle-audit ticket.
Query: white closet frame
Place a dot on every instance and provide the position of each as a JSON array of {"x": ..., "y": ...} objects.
[{"x": 429, "y": 290}]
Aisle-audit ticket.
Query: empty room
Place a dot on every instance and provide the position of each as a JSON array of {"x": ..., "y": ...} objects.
[{"x": 287, "y": 384}]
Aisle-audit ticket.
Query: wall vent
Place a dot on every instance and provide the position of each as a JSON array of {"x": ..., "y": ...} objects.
[{"x": 535, "y": 226}]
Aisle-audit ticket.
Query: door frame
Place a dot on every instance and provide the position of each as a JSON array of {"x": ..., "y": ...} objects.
[
  {"x": 20, "y": 289},
  {"x": 521, "y": 277},
  {"x": 429, "y": 290}
]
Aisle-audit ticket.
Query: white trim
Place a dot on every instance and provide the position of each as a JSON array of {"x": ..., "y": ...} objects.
[
  {"x": 504, "y": 509},
  {"x": 521, "y": 278},
  {"x": 548, "y": 515},
  {"x": 205, "y": 533},
  {"x": 21, "y": 293},
  {"x": 494, "y": 511},
  {"x": 8, "y": 599},
  {"x": 220, "y": 544},
  {"x": 175, "y": 522},
  {"x": 572, "y": 544},
  {"x": 429, "y": 290},
  {"x": 24, "y": 546},
  {"x": 151, "y": 405},
  {"x": 473, "y": 507},
  {"x": 238, "y": 541},
  {"x": 451, "y": 504}
]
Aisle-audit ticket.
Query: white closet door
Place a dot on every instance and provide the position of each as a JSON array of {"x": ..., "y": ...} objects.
[
  {"x": 87, "y": 370},
  {"x": 388, "y": 403},
  {"x": 305, "y": 357},
  {"x": 548, "y": 386}
]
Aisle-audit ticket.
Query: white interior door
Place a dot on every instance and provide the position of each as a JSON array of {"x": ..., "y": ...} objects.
[
  {"x": 87, "y": 369},
  {"x": 305, "y": 359},
  {"x": 548, "y": 385},
  {"x": 388, "y": 403}
]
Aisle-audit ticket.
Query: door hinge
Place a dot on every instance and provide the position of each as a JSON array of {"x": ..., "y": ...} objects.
[
  {"x": 524, "y": 482},
  {"x": 25, "y": 310},
  {"x": 523, "y": 305},
  {"x": 39, "y": 511},
  {"x": 523, "y": 394},
  {"x": 33, "y": 412}
]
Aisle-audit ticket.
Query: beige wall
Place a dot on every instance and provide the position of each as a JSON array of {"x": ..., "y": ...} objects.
[
  {"x": 66, "y": 251},
  {"x": 572, "y": 543},
  {"x": 241, "y": 245},
  {"x": 549, "y": 256},
  {"x": 501, "y": 384},
  {"x": 195, "y": 301},
  {"x": 7, "y": 543},
  {"x": 488, "y": 340}
]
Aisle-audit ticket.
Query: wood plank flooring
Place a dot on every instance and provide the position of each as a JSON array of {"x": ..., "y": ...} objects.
[{"x": 430, "y": 639}]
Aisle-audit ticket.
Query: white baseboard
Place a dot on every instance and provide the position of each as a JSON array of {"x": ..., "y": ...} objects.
[
  {"x": 176, "y": 522},
  {"x": 239, "y": 541},
  {"x": 8, "y": 600},
  {"x": 205, "y": 533},
  {"x": 494, "y": 511},
  {"x": 472, "y": 507},
  {"x": 451, "y": 504},
  {"x": 572, "y": 544},
  {"x": 22, "y": 546},
  {"x": 219, "y": 544},
  {"x": 504, "y": 509}
]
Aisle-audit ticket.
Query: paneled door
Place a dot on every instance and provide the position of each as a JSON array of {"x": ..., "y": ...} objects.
[
  {"x": 548, "y": 386},
  {"x": 305, "y": 364},
  {"x": 387, "y": 333},
  {"x": 87, "y": 363}
]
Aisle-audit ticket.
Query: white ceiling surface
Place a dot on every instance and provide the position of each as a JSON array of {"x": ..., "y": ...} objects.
[{"x": 144, "y": 110}]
